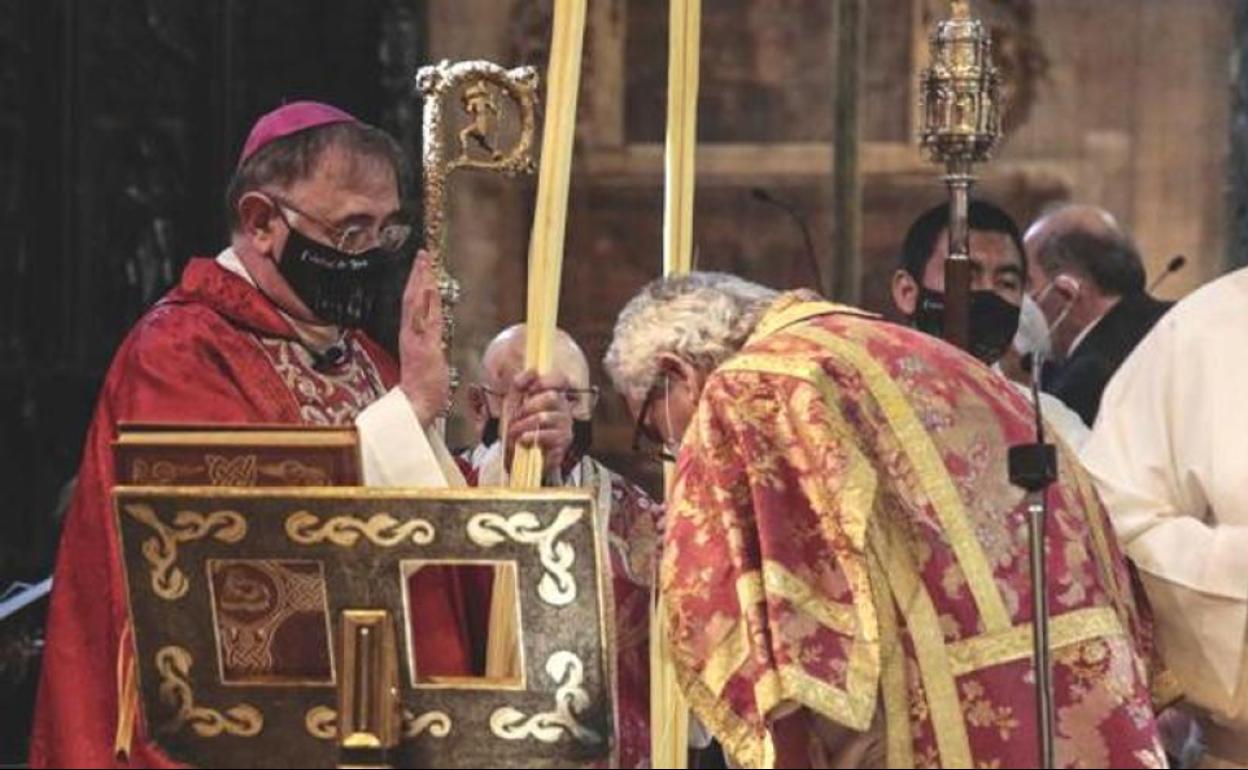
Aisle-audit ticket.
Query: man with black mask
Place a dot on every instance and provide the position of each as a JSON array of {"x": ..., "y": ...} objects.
[
  {"x": 998, "y": 297},
  {"x": 998, "y": 275},
  {"x": 267, "y": 332},
  {"x": 631, "y": 520}
]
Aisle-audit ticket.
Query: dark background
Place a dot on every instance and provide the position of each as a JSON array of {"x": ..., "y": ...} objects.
[{"x": 120, "y": 122}]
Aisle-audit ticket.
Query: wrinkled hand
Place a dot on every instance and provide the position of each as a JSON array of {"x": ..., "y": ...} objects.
[
  {"x": 539, "y": 415},
  {"x": 425, "y": 375}
]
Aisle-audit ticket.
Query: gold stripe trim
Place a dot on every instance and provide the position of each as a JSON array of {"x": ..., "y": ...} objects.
[
  {"x": 848, "y": 515},
  {"x": 987, "y": 650},
  {"x": 801, "y": 311},
  {"x": 740, "y": 740},
  {"x": 727, "y": 658},
  {"x": 781, "y": 364},
  {"x": 836, "y": 616},
  {"x": 917, "y": 444},
  {"x": 898, "y": 731},
  {"x": 925, "y": 631}
]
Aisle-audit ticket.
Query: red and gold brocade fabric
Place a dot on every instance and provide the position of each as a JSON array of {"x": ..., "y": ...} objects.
[{"x": 843, "y": 537}]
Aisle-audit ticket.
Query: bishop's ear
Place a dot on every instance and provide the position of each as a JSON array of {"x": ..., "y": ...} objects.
[{"x": 258, "y": 220}]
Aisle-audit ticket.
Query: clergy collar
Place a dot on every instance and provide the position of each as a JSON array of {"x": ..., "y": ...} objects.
[{"x": 320, "y": 340}]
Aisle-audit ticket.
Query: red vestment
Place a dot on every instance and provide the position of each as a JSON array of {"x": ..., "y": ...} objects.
[
  {"x": 213, "y": 350},
  {"x": 843, "y": 539}
]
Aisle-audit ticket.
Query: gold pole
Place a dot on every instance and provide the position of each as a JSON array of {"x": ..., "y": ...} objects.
[
  {"x": 669, "y": 714},
  {"x": 682, "y": 135},
  {"x": 563, "y": 80}
]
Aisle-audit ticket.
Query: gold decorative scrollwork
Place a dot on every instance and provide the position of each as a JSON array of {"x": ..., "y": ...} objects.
[
  {"x": 436, "y": 723},
  {"x": 174, "y": 665},
  {"x": 161, "y": 473},
  {"x": 239, "y": 471},
  {"x": 557, "y": 587},
  {"x": 293, "y": 473},
  {"x": 322, "y": 722},
  {"x": 222, "y": 471},
  {"x": 168, "y": 581},
  {"x": 550, "y": 726},
  {"x": 381, "y": 529}
]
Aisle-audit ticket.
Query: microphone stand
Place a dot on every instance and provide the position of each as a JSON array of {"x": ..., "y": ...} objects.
[
  {"x": 1175, "y": 264},
  {"x": 1034, "y": 468},
  {"x": 766, "y": 197}
]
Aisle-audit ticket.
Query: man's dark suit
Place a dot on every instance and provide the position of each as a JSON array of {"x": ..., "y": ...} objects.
[{"x": 1081, "y": 379}]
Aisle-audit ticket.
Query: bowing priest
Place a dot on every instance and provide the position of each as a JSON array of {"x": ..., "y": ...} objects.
[
  {"x": 266, "y": 332},
  {"x": 845, "y": 560}
]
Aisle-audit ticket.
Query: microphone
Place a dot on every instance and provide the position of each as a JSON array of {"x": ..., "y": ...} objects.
[
  {"x": 1176, "y": 263},
  {"x": 763, "y": 196},
  {"x": 334, "y": 356}
]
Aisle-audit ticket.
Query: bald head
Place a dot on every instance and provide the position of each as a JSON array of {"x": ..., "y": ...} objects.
[
  {"x": 1082, "y": 265},
  {"x": 1065, "y": 220},
  {"x": 504, "y": 358}
]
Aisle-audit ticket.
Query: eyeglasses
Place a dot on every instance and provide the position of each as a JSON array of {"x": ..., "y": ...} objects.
[
  {"x": 352, "y": 239},
  {"x": 581, "y": 401},
  {"x": 646, "y": 440}
]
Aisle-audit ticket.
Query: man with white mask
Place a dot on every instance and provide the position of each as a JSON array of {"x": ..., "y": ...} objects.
[
  {"x": 1088, "y": 278},
  {"x": 1032, "y": 346}
]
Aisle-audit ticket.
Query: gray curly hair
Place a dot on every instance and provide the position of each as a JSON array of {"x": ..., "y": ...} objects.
[{"x": 704, "y": 318}]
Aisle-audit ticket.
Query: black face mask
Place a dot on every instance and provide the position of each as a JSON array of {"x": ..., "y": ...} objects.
[
  {"x": 994, "y": 322},
  {"x": 489, "y": 433},
  {"x": 338, "y": 288}
]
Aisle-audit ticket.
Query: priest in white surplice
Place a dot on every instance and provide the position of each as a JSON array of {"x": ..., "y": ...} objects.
[{"x": 1170, "y": 456}]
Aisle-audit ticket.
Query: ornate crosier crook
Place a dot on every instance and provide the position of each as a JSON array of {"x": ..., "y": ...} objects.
[{"x": 482, "y": 92}]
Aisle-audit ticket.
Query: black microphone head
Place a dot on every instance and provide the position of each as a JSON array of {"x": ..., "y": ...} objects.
[
  {"x": 759, "y": 194},
  {"x": 333, "y": 357}
]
